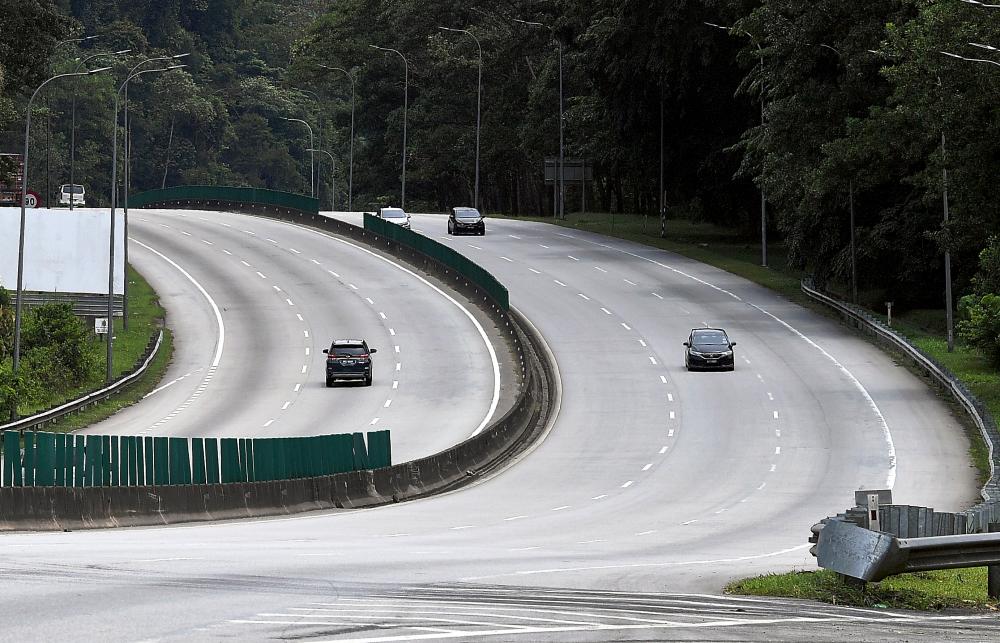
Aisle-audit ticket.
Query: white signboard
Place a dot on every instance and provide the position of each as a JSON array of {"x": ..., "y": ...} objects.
[
  {"x": 101, "y": 325},
  {"x": 64, "y": 251}
]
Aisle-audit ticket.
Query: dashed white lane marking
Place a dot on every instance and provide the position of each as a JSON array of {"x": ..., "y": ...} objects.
[
  {"x": 382, "y": 315},
  {"x": 207, "y": 243},
  {"x": 396, "y": 348},
  {"x": 387, "y": 404},
  {"x": 277, "y": 289},
  {"x": 652, "y": 360},
  {"x": 163, "y": 225},
  {"x": 631, "y": 283},
  {"x": 297, "y": 388},
  {"x": 295, "y": 251},
  {"x": 250, "y": 232},
  {"x": 374, "y": 422},
  {"x": 244, "y": 263},
  {"x": 170, "y": 383},
  {"x": 460, "y": 527},
  {"x": 560, "y": 508},
  {"x": 559, "y": 282},
  {"x": 673, "y": 416},
  {"x": 395, "y": 384},
  {"x": 689, "y": 522},
  {"x": 305, "y": 334},
  {"x": 392, "y": 332},
  {"x": 580, "y": 294},
  {"x": 227, "y": 252},
  {"x": 544, "y": 246},
  {"x": 777, "y": 450},
  {"x": 648, "y": 467},
  {"x": 225, "y": 225},
  {"x": 299, "y": 315},
  {"x": 723, "y": 510},
  {"x": 333, "y": 274},
  {"x": 472, "y": 246},
  {"x": 645, "y": 533},
  {"x": 290, "y": 303},
  {"x": 626, "y": 326},
  {"x": 670, "y": 397},
  {"x": 537, "y": 272},
  {"x": 284, "y": 407},
  {"x": 268, "y": 423},
  {"x": 506, "y": 259},
  {"x": 315, "y": 261},
  {"x": 369, "y": 300},
  {"x": 775, "y": 415},
  {"x": 606, "y": 311},
  {"x": 663, "y": 379},
  {"x": 656, "y": 295},
  {"x": 663, "y": 450},
  {"x": 670, "y": 433},
  {"x": 510, "y": 518},
  {"x": 770, "y": 397},
  {"x": 398, "y": 366},
  {"x": 514, "y": 236},
  {"x": 760, "y": 377},
  {"x": 271, "y": 240},
  {"x": 186, "y": 234},
  {"x": 642, "y": 343},
  {"x": 352, "y": 286},
  {"x": 773, "y": 467},
  {"x": 761, "y": 486},
  {"x": 600, "y": 497},
  {"x": 572, "y": 257},
  {"x": 601, "y": 269},
  {"x": 523, "y": 548},
  {"x": 305, "y": 367},
  {"x": 308, "y": 351},
  {"x": 590, "y": 542}
]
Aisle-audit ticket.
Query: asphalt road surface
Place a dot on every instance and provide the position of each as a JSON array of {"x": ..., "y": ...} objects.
[{"x": 653, "y": 488}]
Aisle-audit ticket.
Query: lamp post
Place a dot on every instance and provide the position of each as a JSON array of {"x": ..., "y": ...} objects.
[
  {"x": 479, "y": 99},
  {"x": 312, "y": 156},
  {"x": 72, "y": 134},
  {"x": 350, "y": 169},
  {"x": 333, "y": 178},
  {"x": 114, "y": 206},
  {"x": 406, "y": 100},
  {"x": 560, "y": 179},
  {"x": 24, "y": 190},
  {"x": 763, "y": 95}
]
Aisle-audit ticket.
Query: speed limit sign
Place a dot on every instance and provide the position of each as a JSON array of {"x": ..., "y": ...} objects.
[{"x": 31, "y": 199}]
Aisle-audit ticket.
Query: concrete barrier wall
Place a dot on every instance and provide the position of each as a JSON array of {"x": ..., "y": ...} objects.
[{"x": 52, "y": 508}]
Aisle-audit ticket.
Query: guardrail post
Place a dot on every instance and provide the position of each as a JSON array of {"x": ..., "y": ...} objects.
[{"x": 993, "y": 571}]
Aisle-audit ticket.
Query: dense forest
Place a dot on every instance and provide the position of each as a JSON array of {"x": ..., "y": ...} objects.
[{"x": 860, "y": 108}]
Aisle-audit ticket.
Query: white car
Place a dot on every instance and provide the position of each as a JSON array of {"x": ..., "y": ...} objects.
[
  {"x": 76, "y": 193},
  {"x": 395, "y": 215}
]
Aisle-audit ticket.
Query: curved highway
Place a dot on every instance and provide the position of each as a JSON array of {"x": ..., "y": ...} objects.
[{"x": 653, "y": 488}]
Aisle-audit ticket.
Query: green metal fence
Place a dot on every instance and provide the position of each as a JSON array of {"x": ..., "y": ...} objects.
[
  {"x": 251, "y": 196},
  {"x": 67, "y": 460},
  {"x": 442, "y": 254}
]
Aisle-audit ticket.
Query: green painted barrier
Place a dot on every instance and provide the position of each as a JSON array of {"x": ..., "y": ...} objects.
[
  {"x": 235, "y": 196},
  {"x": 360, "y": 452},
  {"x": 161, "y": 461},
  {"x": 11, "y": 459},
  {"x": 212, "y": 460},
  {"x": 114, "y": 462},
  {"x": 230, "y": 460},
  {"x": 379, "y": 451},
  {"x": 140, "y": 462},
  {"x": 29, "y": 459},
  {"x": 198, "y": 461},
  {"x": 79, "y": 462},
  {"x": 60, "y": 464},
  {"x": 45, "y": 450},
  {"x": 180, "y": 461},
  {"x": 149, "y": 463},
  {"x": 105, "y": 460},
  {"x": 92, "y": 460}
]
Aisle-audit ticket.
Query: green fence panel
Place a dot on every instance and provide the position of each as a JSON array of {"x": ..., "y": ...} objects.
[
  {"x": 261, "y": 460},
  {"x": 180, "y": 461},
  {"x": 140, "y": 462},
  {"x": 29, "y": 459},
  {"x": 92, "y": 464},
  {"x": 149, "y": 465},
  {"x": 360, "y": 452},
  {"x": 132, "y": 474},
  {"x": 45, "y": 451},
  {"x": 161, "y": 461},
  {"x": 114, "y": 462},
  {"x": 79, "y": 462},
  {"x": 342, "y": 453},
  {"x": 59, "y": 479},
  {"x": 74, "y": 460},
  {"x": 125, "y": 461},
  {"x": 12, "y": 474},
  {"x": 234, "y": 195},
  {"x": 105, "y": 460},
  {"x": 230, "y": 460},
  {"x": 251, "y": 471},
  {"x": 379, "y": 450},
  {"x": 212, "y": 461},
  {"x": 198, "y": 461},
  {"x": 281, "y": 468},
  {"x": 245, "y": 458}
]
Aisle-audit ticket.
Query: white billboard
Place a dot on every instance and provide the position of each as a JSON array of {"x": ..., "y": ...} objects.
[{"x": 64, "y": 251}]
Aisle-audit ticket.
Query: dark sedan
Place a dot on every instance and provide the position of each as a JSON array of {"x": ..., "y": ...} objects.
[
  {"x": 709, "y": 349},
  {"x": 466, "y": 221}
]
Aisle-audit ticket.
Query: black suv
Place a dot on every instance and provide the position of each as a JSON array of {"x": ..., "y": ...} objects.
[
  {"x": 349, "y": 359},
  {"x": 709, "y": 348},
  {"x": 466, "y": 220}
]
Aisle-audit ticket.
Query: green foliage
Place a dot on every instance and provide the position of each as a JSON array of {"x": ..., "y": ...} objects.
[{"x": 56, "y": 345}]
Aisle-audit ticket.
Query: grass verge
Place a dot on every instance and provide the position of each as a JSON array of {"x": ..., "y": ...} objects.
[{"x": 953, "y": 588}]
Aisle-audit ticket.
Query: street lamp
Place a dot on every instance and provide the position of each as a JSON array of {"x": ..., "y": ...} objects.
[
  {"x": 479, "y": 99},
  {"x": 312, "y": 156},
  {"x": 350, "y": 170},
  {"x": 763, "y": 194},
  {"x": 406, "y": 100},
  {"x": 114, "y": 206},
  {"x": 24, "y": 194},
  {"x": 72, "y": 135},
  {"x": 560, "y": 179},
  {"x": 333, "y": 178}
]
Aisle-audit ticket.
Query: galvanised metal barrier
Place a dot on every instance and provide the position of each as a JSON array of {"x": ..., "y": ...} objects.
[
  {"x": 980, "y": 415},
  {"x": 443, "y": 255},
  {"x": 67, "y": 460},
  {"x": 62, "y": 410},
  {"x": 205, "y": 195}
]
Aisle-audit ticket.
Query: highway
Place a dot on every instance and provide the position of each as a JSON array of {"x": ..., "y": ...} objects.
[{"x": 653, "y": 488}]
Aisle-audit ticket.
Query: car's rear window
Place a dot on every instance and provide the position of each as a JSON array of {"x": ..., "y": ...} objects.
[
  {"x": 347, "y": 351},
  {"x": 710, "y": 337},
  {"x": 393, "y": 214},
  {"x": 466, "y": 214}
]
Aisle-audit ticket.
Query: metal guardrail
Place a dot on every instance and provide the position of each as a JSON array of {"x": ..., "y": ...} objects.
[
  {"x": 53, "y": 414},
  {"x": 977, "y": 411},
  {"x": 232, "y": 196},
  {"x": 84, "y": 304}
]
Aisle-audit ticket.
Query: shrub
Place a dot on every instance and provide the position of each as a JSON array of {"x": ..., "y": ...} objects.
[
  {"x": 55, "y": 328},
  {"x": 981, "y": 326}
]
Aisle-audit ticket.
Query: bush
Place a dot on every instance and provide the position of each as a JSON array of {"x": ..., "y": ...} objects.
[
  {"x": 64, "y": 338},
  {"x": 981, "y": 328}
]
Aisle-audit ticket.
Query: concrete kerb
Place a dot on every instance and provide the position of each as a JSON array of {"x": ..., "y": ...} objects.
[{"x": 61, "y": 508}]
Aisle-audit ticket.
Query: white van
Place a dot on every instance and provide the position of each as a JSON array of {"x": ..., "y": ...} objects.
[{"x": 74, "y": 192}]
